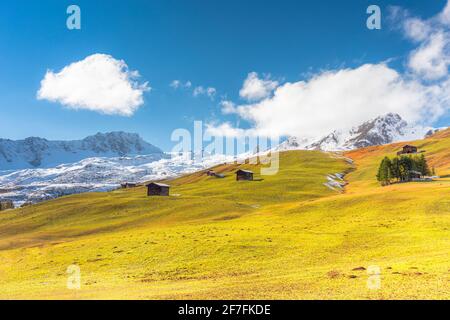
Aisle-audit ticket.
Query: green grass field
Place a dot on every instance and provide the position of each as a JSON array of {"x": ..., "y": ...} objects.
[{"x": 285, "y": 237}]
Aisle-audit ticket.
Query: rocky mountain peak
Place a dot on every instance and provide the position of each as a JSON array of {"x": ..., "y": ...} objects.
[
  {"x": 35, "y": 152},
  {"x": 381, "y": 130}
]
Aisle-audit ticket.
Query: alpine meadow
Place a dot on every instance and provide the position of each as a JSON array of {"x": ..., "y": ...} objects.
[
  {"x": 225, "y": 158},
  {"x": 286, "y": 236}
]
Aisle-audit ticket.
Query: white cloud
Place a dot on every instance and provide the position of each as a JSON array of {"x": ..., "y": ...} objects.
[
  {"x": 431, "y": 60},
  {"x": 98, "y": 83},
  {"x": 200, "y": 90},
  {"x": 197, "y": 91},
  {"x": 255, "y": 88},
  {"x": 416, "y": 29},
  {"x": 444, "y": 16},
  {"x": 228, "y": 107},
  {"x": 227, "y": 130},
  {"x": 341, "y": 99},
  {"x": 338, "y": 99},
  {"x": 176, "y": 84}
]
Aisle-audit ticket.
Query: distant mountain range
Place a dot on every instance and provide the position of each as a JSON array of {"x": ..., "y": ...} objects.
[
  {"x": 36, "y": 169},
  {"x": 381, "y": 130},
  {"x": 36, "y": 152},
  {"x": 95, "y": 174}
]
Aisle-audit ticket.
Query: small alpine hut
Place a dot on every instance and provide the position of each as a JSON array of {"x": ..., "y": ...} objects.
[
  {"x": 128, "y": 185},
  {"x": 407, "y": 149},
  {"x": 157, "y": 189},
  {"x": 244, "y": 175},
  {"x": 415, "y": 175},
  {"x": 6, "y": 204},
  {"x": 211, "y": 173}
]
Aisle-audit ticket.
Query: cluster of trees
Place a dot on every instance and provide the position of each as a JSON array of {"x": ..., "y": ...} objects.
[{"x": 402, "y": 169}]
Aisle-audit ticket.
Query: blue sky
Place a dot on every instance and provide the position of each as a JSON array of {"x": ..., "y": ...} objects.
[{"x": 209, "y": 43}]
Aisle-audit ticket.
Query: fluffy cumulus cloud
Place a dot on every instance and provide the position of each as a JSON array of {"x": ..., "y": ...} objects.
[
  {"x": 255, "y": 88},
  {"x": 337, "y": 99},
  {"x": 228, "y": 107},
  {"x": 98, "y": 83},
  {"x": 341, "y": 99},
  {"x": 431, "y": 59}
]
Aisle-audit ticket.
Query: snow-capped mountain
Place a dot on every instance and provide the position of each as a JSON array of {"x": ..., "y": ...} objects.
[
  {"x": 381, "y": 130},
  {"x": 36, "y": 152},
  {"x": 96, "y": 174},
  {"x": 293, "y": 143},
  {"x": 38, "y": 180}
]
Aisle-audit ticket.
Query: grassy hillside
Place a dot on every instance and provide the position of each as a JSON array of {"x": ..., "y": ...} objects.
[{"x": 286, "y": 236}]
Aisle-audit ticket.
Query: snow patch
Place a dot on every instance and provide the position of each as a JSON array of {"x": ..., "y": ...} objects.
[{"x": 335, "y": 182}]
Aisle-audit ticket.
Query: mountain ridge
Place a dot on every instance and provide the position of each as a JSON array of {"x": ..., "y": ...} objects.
[
  {"x": 385, "y": 129},
  {"x": 36, "y": 152}
]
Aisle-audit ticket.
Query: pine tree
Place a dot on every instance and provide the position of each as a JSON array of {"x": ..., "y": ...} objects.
[
  {"x": 385, "y": 172},
  {"x": 395, "y": 169},
  {"x": 405, "y": 168},
  {"x": 423, "y": 164}
]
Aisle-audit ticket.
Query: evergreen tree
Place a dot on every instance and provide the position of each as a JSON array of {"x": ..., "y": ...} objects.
[
  {"x": 423, "y": 166},
  {"x": 406, "y": 165},
  {"x": 400, "y": 168},
  {"x": 385, "y": 172},
  {"x": 395, "y": 169}
]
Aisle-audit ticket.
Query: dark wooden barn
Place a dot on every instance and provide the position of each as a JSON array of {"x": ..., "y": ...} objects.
[
  {"x": 408, "y": 149},
  {"x": 244, "y": 175},
  {"x": 6, "y": 204},
  {"x": 157, "y": 189},
  {"x": 413, "y": 174},
  {"x": 211, "y": 173},
  {"x": 128, "y": 185}
]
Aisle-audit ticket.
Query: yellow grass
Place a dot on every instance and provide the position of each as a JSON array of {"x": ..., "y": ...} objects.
[{"x": 285, "y": 237}]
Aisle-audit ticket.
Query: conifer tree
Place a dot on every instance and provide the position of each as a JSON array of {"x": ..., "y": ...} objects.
[
  {"x": 385, "y": 172},
  {"x": 423, "y": 165}
]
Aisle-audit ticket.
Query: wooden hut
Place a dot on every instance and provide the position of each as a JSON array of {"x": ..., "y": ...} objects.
[
  {"x": 211, "y": 173},
  {"x": 157, "y": 189},
  {"x": 415, "y": 175},
  {"x": 244, "y": 175},
  {"x": 6, "y": 204},
  {"x": 128, "y": 185},
  {"x": 407, "y": 149}
]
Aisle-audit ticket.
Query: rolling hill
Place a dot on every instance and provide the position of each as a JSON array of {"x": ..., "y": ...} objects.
[{"x": 283, "y": 236}]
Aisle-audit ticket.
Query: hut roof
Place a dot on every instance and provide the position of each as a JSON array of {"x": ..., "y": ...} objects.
[
  {"x": 158, "y": 184},
  {"x": 246, "y": 171}
]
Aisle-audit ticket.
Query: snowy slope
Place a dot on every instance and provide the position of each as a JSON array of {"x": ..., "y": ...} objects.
[
  {"x": 36, "y": 152},
  {"x": 95, "y": 174},
  {"x": 381, "y": 130}
]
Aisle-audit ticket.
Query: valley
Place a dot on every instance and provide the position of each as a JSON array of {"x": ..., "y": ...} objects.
[{"x": 287, "y": 236}]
